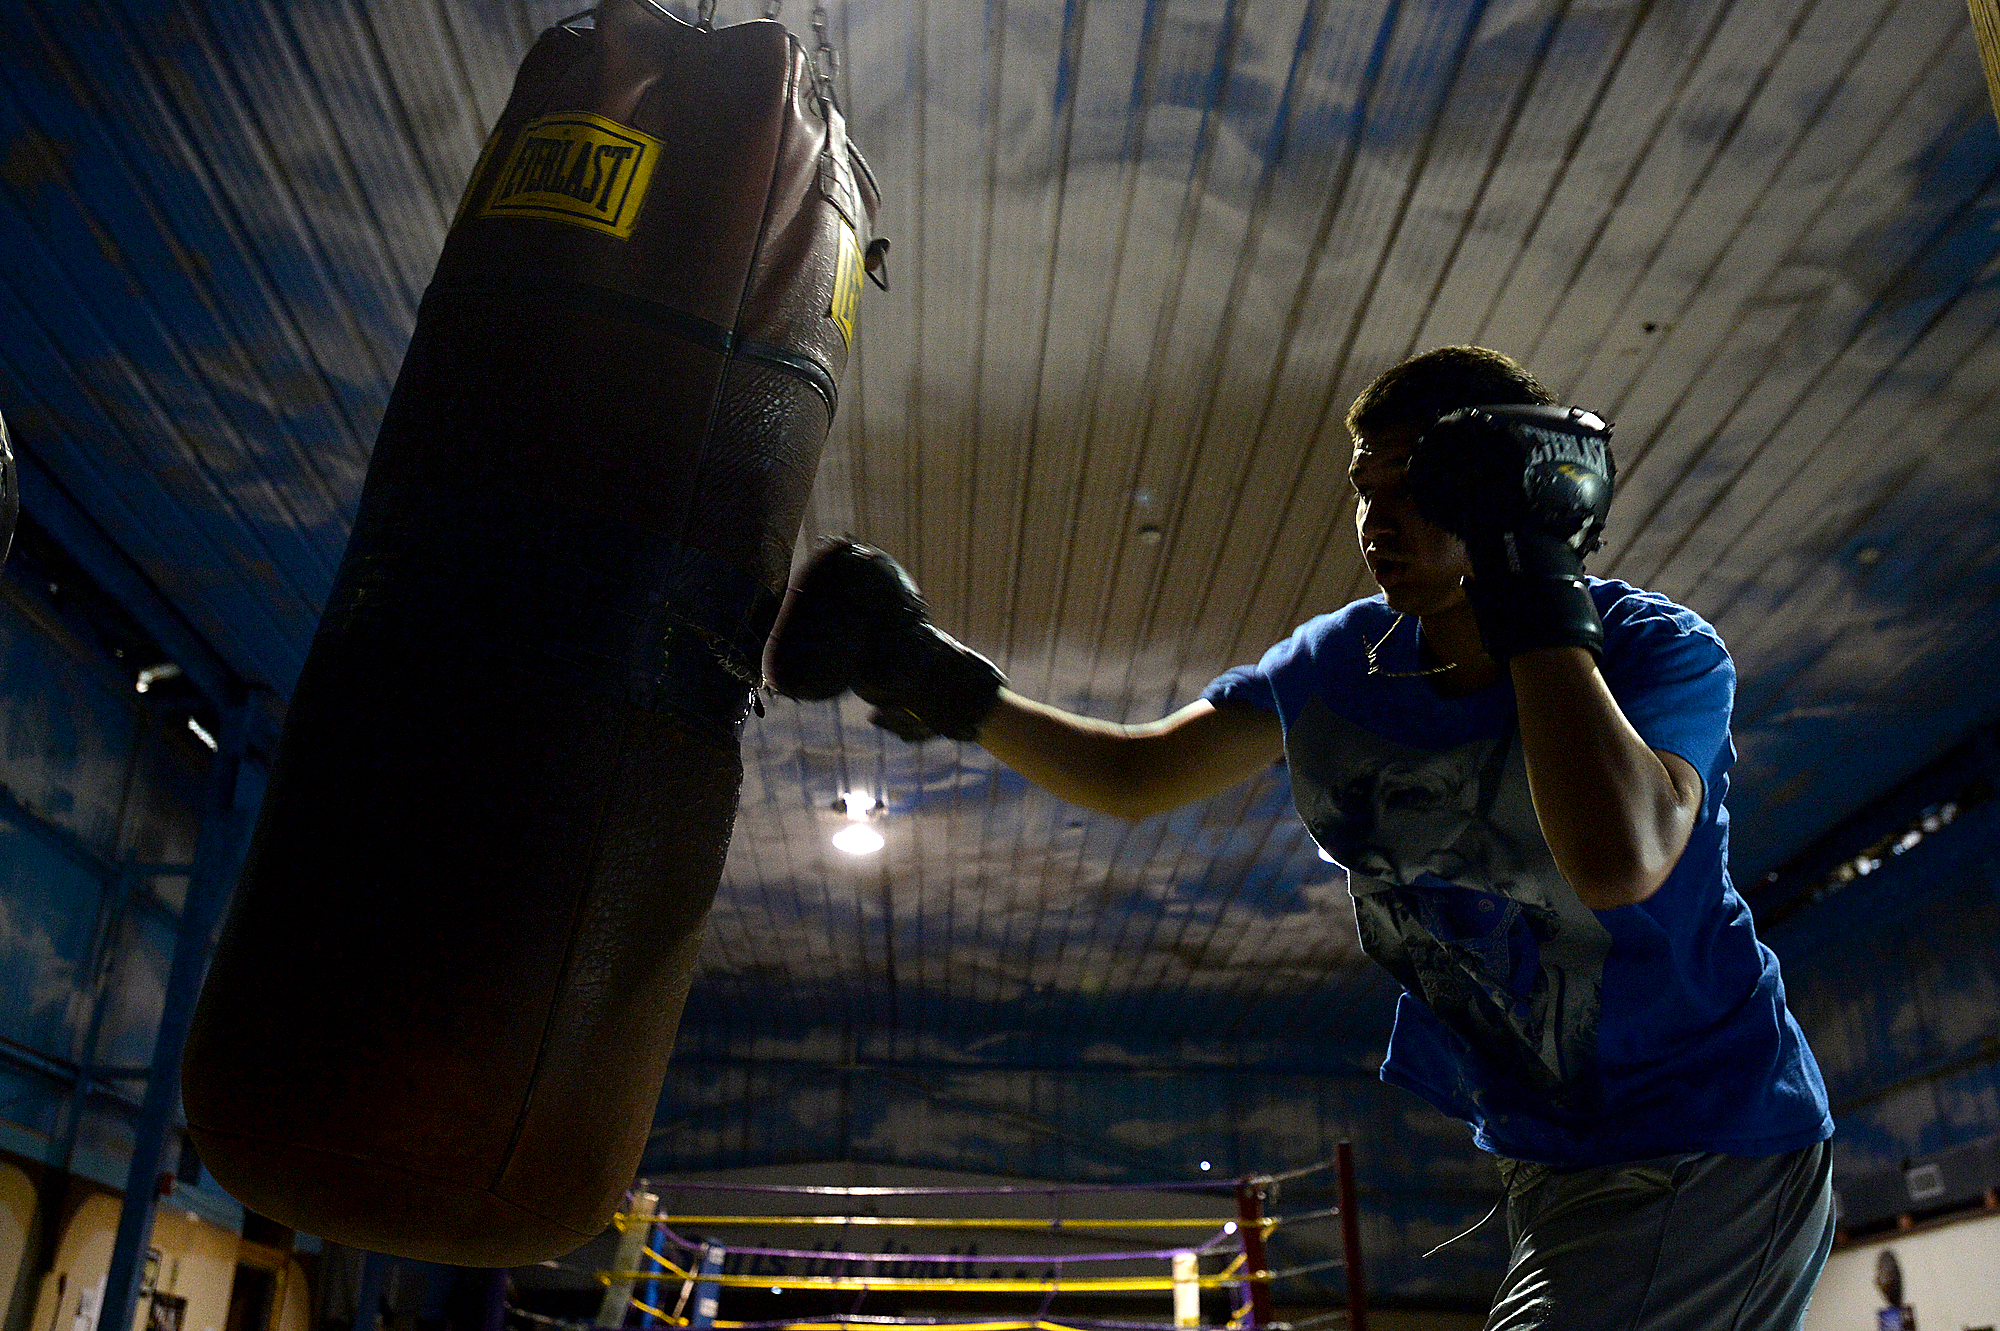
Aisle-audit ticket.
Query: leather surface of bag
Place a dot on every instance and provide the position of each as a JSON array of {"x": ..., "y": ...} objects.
[{"x": 439, "y": 1015}]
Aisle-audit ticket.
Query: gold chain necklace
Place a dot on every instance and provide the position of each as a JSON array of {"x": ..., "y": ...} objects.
[{"x": 1375, "y": 667}]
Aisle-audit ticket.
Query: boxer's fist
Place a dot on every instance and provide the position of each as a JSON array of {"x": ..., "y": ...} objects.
[
  {"x": 854, "y": 620},
  {"x": 1527, "y": 488}
]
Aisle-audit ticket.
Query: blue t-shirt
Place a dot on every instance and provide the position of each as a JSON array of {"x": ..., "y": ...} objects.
[{"x": 1564, "y": 1035}]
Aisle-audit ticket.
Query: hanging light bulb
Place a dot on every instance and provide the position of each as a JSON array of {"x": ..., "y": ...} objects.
[
  {"x": 857, "y": 839},
  {"x": 861, "y": 807}
]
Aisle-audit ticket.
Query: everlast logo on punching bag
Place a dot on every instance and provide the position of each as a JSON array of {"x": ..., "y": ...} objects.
[
  {"x": 576, "y": 168},
  {"x": 846, "y": 285}
]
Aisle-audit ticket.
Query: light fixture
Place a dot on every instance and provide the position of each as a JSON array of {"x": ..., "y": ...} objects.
[
  {"x": 153, "y": 674},
  {"x": 857, "y": 839},
  {"x": 861, "y": 807},
  {"x": 201, "y": 733},
  {"x": 1205, "y": 1166},
  {"x": 1229, "y": 1226}
]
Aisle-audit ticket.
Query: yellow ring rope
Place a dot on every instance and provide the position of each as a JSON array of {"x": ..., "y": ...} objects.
[{"x": 918, "y": 1284}]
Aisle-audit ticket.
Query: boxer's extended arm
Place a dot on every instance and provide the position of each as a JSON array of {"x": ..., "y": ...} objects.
[
  {"x": 1616, "y": 814},
  {"x": 1132, "y": 770},
  {"x": 855, "y": 620}
]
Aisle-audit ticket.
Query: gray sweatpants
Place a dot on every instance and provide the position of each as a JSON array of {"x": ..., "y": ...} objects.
[{"x": 1680, "y": 1243}]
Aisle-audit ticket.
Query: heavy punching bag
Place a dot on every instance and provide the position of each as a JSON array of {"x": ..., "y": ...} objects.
[{"x": 438, "y": 1018}]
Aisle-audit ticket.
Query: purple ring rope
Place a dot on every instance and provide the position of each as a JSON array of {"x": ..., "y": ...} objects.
[
  {"x": 1009, "y": 1190},
  {"x": 853, "y": 1319},
  {"x": 998, "y": 1259}
]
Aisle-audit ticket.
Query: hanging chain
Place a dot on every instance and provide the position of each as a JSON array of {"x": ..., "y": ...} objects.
[{"x": 826, "y": 61}]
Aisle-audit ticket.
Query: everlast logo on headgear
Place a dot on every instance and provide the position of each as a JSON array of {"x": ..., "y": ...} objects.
[
  {"x": 577, "y": 168},
  {"x": 1556, "y": 446}
]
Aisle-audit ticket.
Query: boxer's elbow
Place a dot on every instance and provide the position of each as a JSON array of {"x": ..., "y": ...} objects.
[
  {"x": 1609, "y": 887},
  {"x": 1609, "y": 871}
]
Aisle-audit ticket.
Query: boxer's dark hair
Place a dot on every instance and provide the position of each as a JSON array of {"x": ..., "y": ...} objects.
[{"x": 1417, "y": 391}]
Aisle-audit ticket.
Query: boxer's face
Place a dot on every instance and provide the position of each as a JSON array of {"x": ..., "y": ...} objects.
[{"x": 1416, "y": 563}]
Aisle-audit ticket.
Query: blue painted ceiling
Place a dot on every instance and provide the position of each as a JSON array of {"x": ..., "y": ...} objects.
[{"x": 1145, "y": 253}]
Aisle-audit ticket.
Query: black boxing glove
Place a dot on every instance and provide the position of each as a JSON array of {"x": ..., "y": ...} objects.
[
  {"x": 854, "y": 620},
  {"x": 1527, "y": 489}
]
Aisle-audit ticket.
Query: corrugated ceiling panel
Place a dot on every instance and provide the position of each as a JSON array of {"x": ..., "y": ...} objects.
[
  {"x": 1145, "y": 253},
  {"x": 1166, "y": 333}
]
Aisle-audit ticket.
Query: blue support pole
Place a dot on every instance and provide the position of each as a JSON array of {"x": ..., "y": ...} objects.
[
  {"x": 368, "y": 1299},
  {"x": 495, "y": 1310},
  {"x": 707, "y": 1294},
  {"x": 218, "y": 859}
]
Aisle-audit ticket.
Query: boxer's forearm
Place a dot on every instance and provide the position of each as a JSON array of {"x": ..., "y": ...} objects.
[
  {"x": 1615, "y": 814},
  {"x": 1131, "y": 771}
]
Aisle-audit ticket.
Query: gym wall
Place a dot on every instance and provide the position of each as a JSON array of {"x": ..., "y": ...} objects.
[
  {"x": 17, "y": 1214},
  {"x": 1948, "y": 1279},
  {"x": 197, "y": 1263},
  {"x": 99, "y": 785},
  {"x": 1895, "y": 978}
]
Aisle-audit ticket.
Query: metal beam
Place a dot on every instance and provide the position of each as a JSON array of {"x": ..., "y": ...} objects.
[
  {"x": 219, "y": 848},
  {"x": 16, "y": 811},
  {"x": 30, "y": 1059},
  {"x": 52, "y": 508}
]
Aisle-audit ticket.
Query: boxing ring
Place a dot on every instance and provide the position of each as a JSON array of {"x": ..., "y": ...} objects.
[{"x": 669, "y": 1272}]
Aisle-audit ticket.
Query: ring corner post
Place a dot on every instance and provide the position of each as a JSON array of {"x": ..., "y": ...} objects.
[
  {"x": 1350, "y": 1241},
  {"x": 1250, "y": 1217}
]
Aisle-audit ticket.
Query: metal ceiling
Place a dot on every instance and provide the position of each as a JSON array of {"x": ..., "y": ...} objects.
[{"x": 1145, "y": 251}]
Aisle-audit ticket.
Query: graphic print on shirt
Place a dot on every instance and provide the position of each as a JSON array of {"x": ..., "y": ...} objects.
[{"x": 1456, "y": 894}]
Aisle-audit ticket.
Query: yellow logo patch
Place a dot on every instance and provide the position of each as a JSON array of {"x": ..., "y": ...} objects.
[
  {"x": 577, "y": 168},
  {"x": 846, "y": 285}
]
